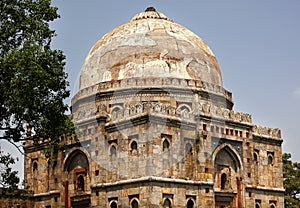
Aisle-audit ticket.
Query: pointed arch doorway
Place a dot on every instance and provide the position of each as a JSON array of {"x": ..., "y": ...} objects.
[
  {"x": 227, "y": 176},
  {"x": 76, "y": 180}
]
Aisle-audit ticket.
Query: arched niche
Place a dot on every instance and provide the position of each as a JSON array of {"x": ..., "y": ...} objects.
[
  {"x": 113, "y": 150},
  {"x": 183, "y": 107},
  {"x": 227, "y": 168},
  {"x": 76, "y": 169},
  {"x": 184, "y": 110},
  {"x": 167, "y": 203},
  {"x": 113, "y": 204},
  {"x": 166, "y": 144},
  {"x": 76, "y": 159},
  {"x": 190, "y": 203},
  {"x": 134, "y": 203},
  {"x": 115, "y": 110}
]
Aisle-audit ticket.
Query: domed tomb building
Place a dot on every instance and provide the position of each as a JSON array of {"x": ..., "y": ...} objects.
[{"x": 157, "y": 129}]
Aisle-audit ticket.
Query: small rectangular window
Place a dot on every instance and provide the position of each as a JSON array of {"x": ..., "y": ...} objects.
[{"x": 227, "y": 131}]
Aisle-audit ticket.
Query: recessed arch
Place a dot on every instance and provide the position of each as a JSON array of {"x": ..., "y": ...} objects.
[
  {"x": 231, "y": 151},
  {"x": 76, "y": 158},
  {"x": 223, "y": 180},
  {"x": 184, "y": 110},
  {"x": 133, "y": 145},
  {"x": 182, "y": 107},
  {"x": 190, "y": 203},
  {"x": 255, "y": 157},
  {"x": 80, "y": 183},
  {"x": 113, "y": 204},
  {"x": 113, "y": 150},
  {"x": 166, "y": 144},
  {"x": 134, "y": 203},
  {"x": 167, "y": 203},
  {"x": 76, "y": 170},
  {"x": 116, "y": 108},
  {"x": 35, "y": 166},
  {"x": 270, "y": 159},
  {"x": 227, "y": 170},
  {"x": 188, "y": 148},
  {"x": 115, "y": 111}
]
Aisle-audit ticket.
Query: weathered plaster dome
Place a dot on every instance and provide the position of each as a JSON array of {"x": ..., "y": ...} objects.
[{"x": 150, "y": 45}]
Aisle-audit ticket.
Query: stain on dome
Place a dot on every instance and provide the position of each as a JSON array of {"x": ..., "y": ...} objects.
[{"x": 150, "y": 45}]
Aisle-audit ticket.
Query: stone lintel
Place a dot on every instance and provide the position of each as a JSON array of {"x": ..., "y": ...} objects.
[
  {"x": 152, "y": 179},
  {"x": 262, "y": 188},
  {"x": 47, "y": 194},
  {"x": 267, "y": 140}
]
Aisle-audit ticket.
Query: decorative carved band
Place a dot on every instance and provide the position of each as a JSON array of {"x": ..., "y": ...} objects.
[
  {"x": 266, "y": 131},
  {"x": 182, "y": 112},
  {"x": 152, "y": 82}
]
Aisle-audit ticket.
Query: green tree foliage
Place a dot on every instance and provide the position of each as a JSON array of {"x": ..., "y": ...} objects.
[
  {"x": 9, "y": 179},
  {"x": 291, "y": 176},
  {"x": 33, "y": 82}
]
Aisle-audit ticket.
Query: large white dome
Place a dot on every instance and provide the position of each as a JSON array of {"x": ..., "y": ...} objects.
[{"x": 150, "y": 45}]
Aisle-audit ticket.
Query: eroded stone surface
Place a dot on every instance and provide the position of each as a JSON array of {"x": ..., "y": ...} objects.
[
  {"x": 156, "y": 128},
  {"x": 150, "y": 46}
]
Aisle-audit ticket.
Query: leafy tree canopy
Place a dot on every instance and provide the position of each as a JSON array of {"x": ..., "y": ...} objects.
[
  {"x": 9, "y": 179},
  {"x": 33, "y": 82},
  {"x": 291, "y": 181}
]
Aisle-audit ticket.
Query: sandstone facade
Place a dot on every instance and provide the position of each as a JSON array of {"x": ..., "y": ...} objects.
[{"x": 157, "y": 129}]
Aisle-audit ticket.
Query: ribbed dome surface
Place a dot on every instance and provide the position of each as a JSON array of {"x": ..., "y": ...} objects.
[{"x": 150, "y": 45}]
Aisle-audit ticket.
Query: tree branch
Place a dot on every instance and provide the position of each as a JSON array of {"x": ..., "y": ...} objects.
[{"x": 18, "y": 147}]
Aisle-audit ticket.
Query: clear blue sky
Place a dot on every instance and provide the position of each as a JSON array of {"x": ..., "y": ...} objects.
[{"x": 256, "y": 44}]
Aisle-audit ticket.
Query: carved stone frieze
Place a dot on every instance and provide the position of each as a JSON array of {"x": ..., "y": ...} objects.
[
  {"x": 205, "y": 109},
  {"x": 266, "y": 131},
  {"x": 139, "y": 82},
  {"x": 208, "y": 109}
]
